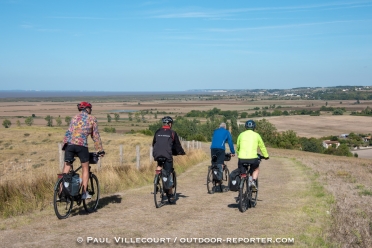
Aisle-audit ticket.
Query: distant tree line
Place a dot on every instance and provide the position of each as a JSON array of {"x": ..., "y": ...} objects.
[{"x": 195, "y": 130}]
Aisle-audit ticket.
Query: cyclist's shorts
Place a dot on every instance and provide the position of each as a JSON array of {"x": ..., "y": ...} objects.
[
  {"x": 220, "y": 153},
  {"x": 81, "y": 151},
  {"x": 168, "y": 166},
  {"x": 255, "y": 163}
]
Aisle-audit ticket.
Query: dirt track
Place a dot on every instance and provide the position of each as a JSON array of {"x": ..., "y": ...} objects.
[{"x": 132, "y": 214}]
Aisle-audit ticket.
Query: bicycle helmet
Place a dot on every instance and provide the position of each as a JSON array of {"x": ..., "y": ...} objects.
[
  {"x": 167, "y": 120},
  {"x": 84, "y": 105},
  {"x": 250, "y": 124}
]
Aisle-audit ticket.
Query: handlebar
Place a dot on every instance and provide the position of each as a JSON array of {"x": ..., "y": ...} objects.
[{"x": 261, "y": 157}]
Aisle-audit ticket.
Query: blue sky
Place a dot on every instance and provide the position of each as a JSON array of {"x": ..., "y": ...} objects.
[{"x": 181, "y": 45}]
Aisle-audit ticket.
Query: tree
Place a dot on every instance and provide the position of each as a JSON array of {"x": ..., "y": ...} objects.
[
  {"x": 18, "y": 123},
  {"x": 311, "y": 145},
  {"x": 234, "y": 129},
  {"x": 59, "y": 121},
  {"x": 142, "y": 113},
  {"x": 109, "y": 118},
  {"x": 338, "y": 112},
  {"x": 288, "y": 140},
  {"x": 137, "y": 116},
  {"x": 49, "y": 120},
  {"x": 67, "y": 120},
  {"x": 29, "y": 121},
  {"x": 7, "y": 123},
  {"x": 116, "y": 117},
  {"x": 267, "y": 131},
  {"x": 244, "y": 115},
  {"x": 130, "y": 116}
]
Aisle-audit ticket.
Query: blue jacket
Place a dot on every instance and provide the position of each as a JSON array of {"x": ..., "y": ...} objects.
[{"x": 220, "y": 137}]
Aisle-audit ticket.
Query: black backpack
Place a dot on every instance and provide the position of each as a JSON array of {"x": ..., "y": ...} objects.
[
  {"x": 167, "y": 179},
  {"x": 234, "y": 183},
  {"x": 71, "y": 184},
  {"x": 217, "y": 173}
]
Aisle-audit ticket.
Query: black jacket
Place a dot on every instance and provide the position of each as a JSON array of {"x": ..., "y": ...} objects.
[{"x": 166, "y": 143}]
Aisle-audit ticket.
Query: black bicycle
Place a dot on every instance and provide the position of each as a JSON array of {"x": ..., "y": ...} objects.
[
  {"x": 248, "y": 195},
  {"x": 160, "y": 193},
  {"x": 63, "y": 201},
  {"x": 212, "y": 182}
]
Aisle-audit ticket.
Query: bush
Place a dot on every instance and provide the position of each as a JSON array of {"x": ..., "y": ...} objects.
[
  {"x": 7, "y": 123},
  {"x": 109, "y": 130}
]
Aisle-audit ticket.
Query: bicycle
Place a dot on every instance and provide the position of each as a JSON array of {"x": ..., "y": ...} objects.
[
  {"x": 247, "y": 197},
  {"x": 212, "y": 183},
  {"x": 159, "y": 192},
  {"x": 63, "y": 202}
]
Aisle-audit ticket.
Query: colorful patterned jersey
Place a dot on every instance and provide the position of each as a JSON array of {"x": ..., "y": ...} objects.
[{"x": 81, "y": 126}]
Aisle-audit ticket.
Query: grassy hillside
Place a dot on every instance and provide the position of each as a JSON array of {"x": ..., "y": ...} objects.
[
  {"x": 29, "y": 164},
  {"x": 349, "y": 181}
]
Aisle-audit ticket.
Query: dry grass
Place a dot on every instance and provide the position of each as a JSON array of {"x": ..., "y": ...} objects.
[
  {"x": 349, "y": 181},
  {"x": 29, "y": 168}
]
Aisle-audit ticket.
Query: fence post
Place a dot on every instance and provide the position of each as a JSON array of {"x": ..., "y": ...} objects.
[
  {"x": 151, "y": 158},
  {"x": 99, "y": 163},
  {"x": 193, "y": 144},
  {"x": 138, "y": 156},
  {"x": 61, "y": 156},
  {"x": 121, "y": 154},
  {"x": 188, "y": 145}
]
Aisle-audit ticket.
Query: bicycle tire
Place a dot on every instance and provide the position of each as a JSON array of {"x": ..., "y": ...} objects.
[
  {"x": 210, "y": 181},
  {"x": 90, "y": 205},
  {"x": 243, "y": 196},
  {"x": 158, "y": 192},
  {"x": 254, "y": 196},
  {"x": 62, "y": 208},
  {"x": 174, "y": 189},
  {"x": 175, "y": 185},
  {"x": 226, "y": 177}
]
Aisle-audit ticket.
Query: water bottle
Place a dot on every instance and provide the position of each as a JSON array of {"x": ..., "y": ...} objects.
[
  {"x": 66, "y": 184},
  {"x": 250, "y": 181}
]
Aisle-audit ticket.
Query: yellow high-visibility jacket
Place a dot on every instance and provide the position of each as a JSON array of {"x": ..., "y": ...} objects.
[{"x": 247, "y": 144}]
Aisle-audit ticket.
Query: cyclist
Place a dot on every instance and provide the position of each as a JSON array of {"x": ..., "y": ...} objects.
[
  {"x": 246, "y": 146},
  {"x": 75, "y": 141},
  {"x": 219, "y": 138},
  {"x": 166, "y": 144}
]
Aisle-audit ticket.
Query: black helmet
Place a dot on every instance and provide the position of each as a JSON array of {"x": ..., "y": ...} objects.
[
  {"x": 167, "y": 120},
  {"x": 250, "y": 124}
]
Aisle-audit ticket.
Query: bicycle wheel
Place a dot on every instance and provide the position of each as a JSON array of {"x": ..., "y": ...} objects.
[
  {"x": 172, "y": 198},
  {"x": 90, "y": 205},
  {"x": 244, "y": 196},
  {"x": 210, "y": 181},
  {"x": 158, "y": 192},
  {"x": 226, "y": 177},
  {"x": 175, "y": 185},
  {"x": 62, "y": 205},
  {"x": 226, "y": 174},
  {"x": 254, "y": 196}
]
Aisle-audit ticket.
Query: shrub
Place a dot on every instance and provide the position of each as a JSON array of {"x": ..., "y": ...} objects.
[{"x": 109, "y": 130}]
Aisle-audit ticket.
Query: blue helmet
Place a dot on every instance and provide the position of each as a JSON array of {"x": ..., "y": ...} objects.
[{"x": 250, "y": 125}]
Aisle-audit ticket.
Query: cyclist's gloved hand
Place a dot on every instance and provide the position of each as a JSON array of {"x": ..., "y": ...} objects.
[
  {"x": 267, "y": 158},
  {"x": 101, "y": 153},
  {"x": 182, "y": 153}
]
